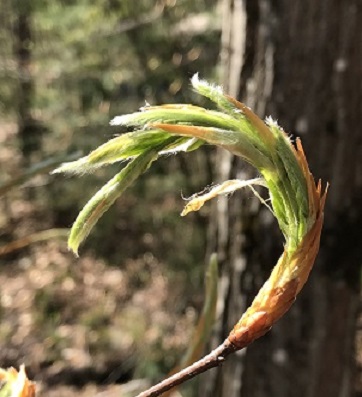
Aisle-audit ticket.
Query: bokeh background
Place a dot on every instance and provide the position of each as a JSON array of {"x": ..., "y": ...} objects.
[{"x": 120, "y": 317}]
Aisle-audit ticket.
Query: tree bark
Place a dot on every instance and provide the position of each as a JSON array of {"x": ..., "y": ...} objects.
[{"x": 301, "y": 62}]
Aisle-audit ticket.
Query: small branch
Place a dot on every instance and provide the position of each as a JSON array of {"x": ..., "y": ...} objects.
[
  {"x": 33, "y": 238},
  {"x": 213, "y": 359},
  {"x": 40, "y": 168}
]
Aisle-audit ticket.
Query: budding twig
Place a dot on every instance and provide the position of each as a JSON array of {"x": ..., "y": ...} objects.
[
  {"x": 296, "y": 201},
  {"x": 212, "y": 360}
]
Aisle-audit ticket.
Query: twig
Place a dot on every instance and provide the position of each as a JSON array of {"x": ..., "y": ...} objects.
[
  {"x": 296, "y": 201},
  {"x": 40, "y": 168},
  {"x": 33, "y": 238},
  {"x": 213, "y": 359}
]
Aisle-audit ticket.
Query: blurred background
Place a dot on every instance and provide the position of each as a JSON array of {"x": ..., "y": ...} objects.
[{"x": 121, "y": 316}]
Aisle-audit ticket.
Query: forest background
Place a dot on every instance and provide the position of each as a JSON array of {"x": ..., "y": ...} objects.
[
  {"x": 127, "y": 307},
  {"x": 122, "y": 315}
]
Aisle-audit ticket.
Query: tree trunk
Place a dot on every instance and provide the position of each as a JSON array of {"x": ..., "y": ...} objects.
[
  {"x": 30, "y": 130},
  {"x": 301, "y": 62}
]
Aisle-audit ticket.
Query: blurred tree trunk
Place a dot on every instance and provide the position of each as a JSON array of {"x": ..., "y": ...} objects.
[
  {"x": 30, "y": 130},
  {"x": 301, "y": 62}
]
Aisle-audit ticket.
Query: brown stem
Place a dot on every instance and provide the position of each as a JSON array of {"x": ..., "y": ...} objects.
[{"x": 213, "y": 359}]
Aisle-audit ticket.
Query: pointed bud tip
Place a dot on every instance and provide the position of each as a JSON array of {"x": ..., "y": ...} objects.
[
  {"x": 195, "y": 79},
  {"x": 118, "y": 120},
  {"x": 202, "y": 85},
  {"x": 73, "y": 248}
]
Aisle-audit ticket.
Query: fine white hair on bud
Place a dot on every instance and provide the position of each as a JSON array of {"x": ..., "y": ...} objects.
[
  {"x": 119, "y": 120},
  {"x": 270, "y": 122},
  {"x": 201, "y": 85}
]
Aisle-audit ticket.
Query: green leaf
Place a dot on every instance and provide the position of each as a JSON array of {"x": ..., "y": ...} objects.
[
  {"x": 125, "y": 147},
  {"x": 106, "y": 196},
  {"x": 178, "y": 114},
  {"x": 117, "y": 149},
  {"x": 237, "y": 143},
  {"x": 214, "y": 93},
  {"x": 174, "y": 128}
]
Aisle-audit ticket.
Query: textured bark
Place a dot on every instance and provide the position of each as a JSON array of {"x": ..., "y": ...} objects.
[{"x": 301, "y": 62}]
